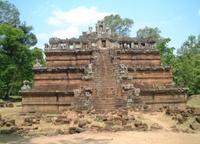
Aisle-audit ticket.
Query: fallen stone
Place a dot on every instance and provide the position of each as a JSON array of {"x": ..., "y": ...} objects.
[
  {"x": 2, "y": 104},
  {"x": 2, "y": 122},
  {"x": 97, "y": 126},
  {"x": 35, "y": 127},
  {"x": 117, "y": 122},
  {"x": 195, "y": 126},
  {"x": 9, "y": 130},
  {"x": 59, "y": 131},
  {"x": 197, "y": 119},
  {"x": 128, "y": 127},
  {"x": 181, "y": 119},
  {"x": 82, "y": 123},
  {"x": 10, "y": 123},
  {"x": 117, "y": 128},
  {"x": 155, "y": 126},
  {"x": 73, "y": 130},
  {"x": 9, "y": 105},
  {"x": 140, "y": 126}
]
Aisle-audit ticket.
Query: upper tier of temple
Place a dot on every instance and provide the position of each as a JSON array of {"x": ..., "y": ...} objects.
[{"x": 101, "y": 38}]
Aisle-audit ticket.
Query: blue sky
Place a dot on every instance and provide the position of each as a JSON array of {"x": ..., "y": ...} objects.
[{"x": 176, "y": 19}]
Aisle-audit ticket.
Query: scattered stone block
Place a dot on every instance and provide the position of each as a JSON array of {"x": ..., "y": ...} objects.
[
  {"x": 155, "y": 126},
  {"x": 195, "y": 126},
  {"x": 73, "y": 130},
  {"x": 197, "y": 119}
]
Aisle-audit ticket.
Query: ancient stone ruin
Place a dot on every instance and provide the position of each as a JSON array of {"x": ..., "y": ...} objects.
[{"x": 103, "y": 71}]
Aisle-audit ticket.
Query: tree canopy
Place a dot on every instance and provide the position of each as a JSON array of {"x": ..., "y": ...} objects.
[
  {"x": 149, "y": 33},
  {"x": 167, "y": 55},
  {"x": 118, "y": 25},
  {"x": 9, "y": 14},
  {"x": 16, "y": 55},
  {"x": 187, "y": 65},
  {"x": 15, "y": 59}
]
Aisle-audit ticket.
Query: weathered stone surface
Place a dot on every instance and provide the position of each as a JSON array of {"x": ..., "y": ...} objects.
[
  {"x": 10, "y": 123},
  {"x": 195, "y": 126},
  {"x": 61, "y": 120},
  {"x": 119, "y": 72},
  {"x": 30, "y": 120},
  {"x": 82, "y": 123},
  {"x": 198, "y": 119},
  {"x": 97, "y": 126},
  {"x": 155, "y": 126},
  {"x": 73, "y": 130},
  {"x": 140, "y": 126}
]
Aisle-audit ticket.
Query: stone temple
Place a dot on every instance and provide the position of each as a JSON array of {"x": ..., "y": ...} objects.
[{"x": 103, "y": 71}]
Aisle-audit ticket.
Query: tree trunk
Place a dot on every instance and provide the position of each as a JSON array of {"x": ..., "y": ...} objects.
[{"x": 9, "y": 88}]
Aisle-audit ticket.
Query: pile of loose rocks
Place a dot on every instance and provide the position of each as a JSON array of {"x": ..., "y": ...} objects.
[
  {"x": 106, "y": 121},
  {"x": 6, "y": 104},
  {"x": 31, "y": 120},
  {"x": 7, "y": 126},
  {"x": 187, "y": 115},
  {"x": 71, "y": 122},
  {"x": 7, "y": 122}
]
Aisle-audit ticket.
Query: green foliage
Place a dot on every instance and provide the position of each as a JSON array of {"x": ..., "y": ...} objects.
[
  {"x": 37, "y": 53},
  {"x": 185, "y": 65},
  {"x": 166, "y": 52},
  {"x": 187, "y": 68},
  {"x": 29, "y": 38},
  {"x": 190, "y": 46},
  {"x": 118, "y": 25},
  {"x": 9, "y": 14},
  {"x": 149, "y": 33},
  {"x": 15, "y": 59}
]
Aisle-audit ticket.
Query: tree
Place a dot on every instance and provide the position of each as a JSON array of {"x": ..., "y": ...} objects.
[
  {"x": 118, "y": 25},
  {"x": 29, "y": 38},
  {"x": 149, "y": 33},
  {"x": 15, "y": 59},
  {"x": 187, "y": 67},
  {"x": 190, "y": 46},
  {"x": 166, "y": 52},
  {"x": 37, "y": 53},
  {"x": 9, "y": 14}
]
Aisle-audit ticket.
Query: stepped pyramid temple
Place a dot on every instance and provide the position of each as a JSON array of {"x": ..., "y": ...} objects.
[{"x": 103, "y": 71}]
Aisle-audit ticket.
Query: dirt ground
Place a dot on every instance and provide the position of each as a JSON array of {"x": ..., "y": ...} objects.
[
  {"x": 164, "y": 136},
  {"x": 123, "y": 137}
]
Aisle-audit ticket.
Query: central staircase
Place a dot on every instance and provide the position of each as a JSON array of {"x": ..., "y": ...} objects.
[{"x": 105, "y": 82}]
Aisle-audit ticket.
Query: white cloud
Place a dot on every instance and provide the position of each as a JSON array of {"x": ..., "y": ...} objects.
[
  {"x": 70, "y": 23},
  {"x": 66, "y": 33},
  {"x": 76, "y": 17}
]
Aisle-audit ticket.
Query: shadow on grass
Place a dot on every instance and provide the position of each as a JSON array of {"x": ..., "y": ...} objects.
[
  {"x": 13, "y": 139},
  {"x": 17, "y": 139}
]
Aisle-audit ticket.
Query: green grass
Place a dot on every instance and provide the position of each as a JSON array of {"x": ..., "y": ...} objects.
[{"x": 194, "y": 101}]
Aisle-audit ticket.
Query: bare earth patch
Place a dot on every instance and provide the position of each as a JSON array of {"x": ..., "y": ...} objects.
[
  {"x": 123, "y": 137},
  {"x": 118, "y": 127}
]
